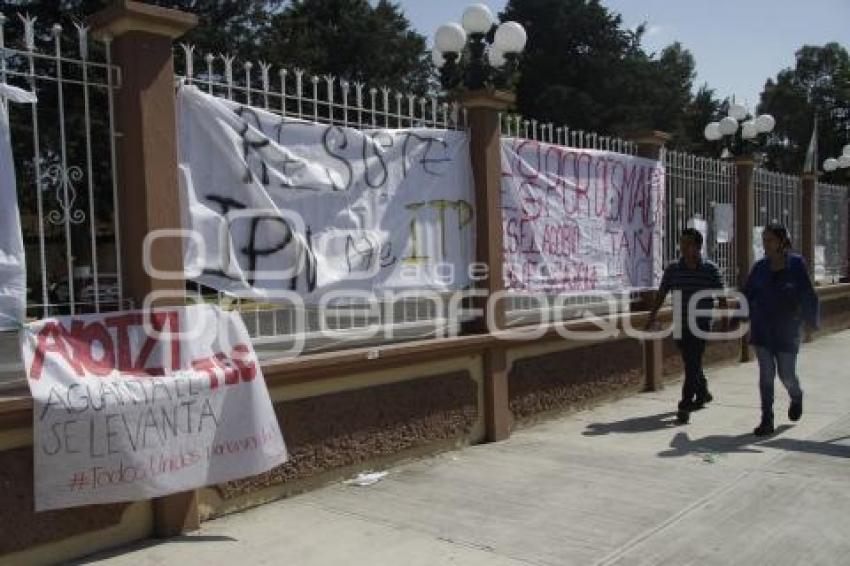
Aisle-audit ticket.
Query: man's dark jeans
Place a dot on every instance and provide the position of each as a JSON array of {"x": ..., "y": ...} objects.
[{"x": 695, "y": 386}]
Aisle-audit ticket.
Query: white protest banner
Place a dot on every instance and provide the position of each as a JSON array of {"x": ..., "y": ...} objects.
[
  {"x": 13, "y": 279},
  {"x": 285, "y": 204},
  {"x": 134, "y": 405},
  {"x": 580, "y": 219}
]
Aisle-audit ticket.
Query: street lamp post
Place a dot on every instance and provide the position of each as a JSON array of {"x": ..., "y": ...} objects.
[
  {"x": 739, "y": 130},
  {"x": 492, "y": 49},
  {"x": 491, "y": 52}
]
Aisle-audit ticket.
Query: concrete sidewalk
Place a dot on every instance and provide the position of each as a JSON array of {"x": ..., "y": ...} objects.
[{"x": 620, "y": 484}]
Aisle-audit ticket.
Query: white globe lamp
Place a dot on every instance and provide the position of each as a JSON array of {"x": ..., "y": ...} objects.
[
  {"x": 728, "y": 126},
  {"x": 477, "y": 18},
  {"x": 510, "y": 38},
  {"x": 765, "y": 123},
  {"x": 712, "y": 131},
  {"x": 450, "y": 38}
]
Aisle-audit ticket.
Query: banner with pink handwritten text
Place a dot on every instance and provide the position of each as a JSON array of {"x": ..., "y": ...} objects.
[
  {"x": 580, "y": 219},
  {"x": 130, "y": 406}
]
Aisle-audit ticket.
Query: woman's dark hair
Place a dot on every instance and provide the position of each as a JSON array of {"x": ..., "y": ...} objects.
[{"x": 781, "y": 233}]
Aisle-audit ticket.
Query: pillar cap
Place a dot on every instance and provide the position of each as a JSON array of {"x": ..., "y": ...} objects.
[
  {"x": 746, "y": 159},
  {"x": 487, "y": 98},
  {"x": 649, "y": 137},
  {"x": 125, "y": 16}
]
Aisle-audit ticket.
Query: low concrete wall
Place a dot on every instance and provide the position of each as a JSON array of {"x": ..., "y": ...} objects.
[
  {"x": 572, "y": 376},
  {"x": 28, "y": 537},
  {"x": 835, "y": 313},
  {"x": 335, "y": 428}
]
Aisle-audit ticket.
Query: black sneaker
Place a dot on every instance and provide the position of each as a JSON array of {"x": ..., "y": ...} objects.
[
  {"x": 704, "y": 398},
  {"x": 795, "y": 411},
  {"x": 682, "y": 417},
  {"x": 765, "y": 428}
]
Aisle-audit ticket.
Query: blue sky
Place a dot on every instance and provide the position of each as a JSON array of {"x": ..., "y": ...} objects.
[{"x": 737, "y": 44}]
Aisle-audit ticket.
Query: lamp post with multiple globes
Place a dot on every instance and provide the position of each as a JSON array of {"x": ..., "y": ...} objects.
[
  {"x": 841, "y": 162},
  {"x": 739, "y": 131},
  {"x": 492, "y": 50}
]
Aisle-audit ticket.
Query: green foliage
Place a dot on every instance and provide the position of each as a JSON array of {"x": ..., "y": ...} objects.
[
  {"x": 582, "y": 68},
  {"x": 351, "y": 39},
  {"x": 819, "y": 84},
  {"x": 222, "y": 26}
]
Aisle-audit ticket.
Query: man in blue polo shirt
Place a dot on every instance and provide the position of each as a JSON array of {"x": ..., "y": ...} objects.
[{"x": 686, "y": 276}]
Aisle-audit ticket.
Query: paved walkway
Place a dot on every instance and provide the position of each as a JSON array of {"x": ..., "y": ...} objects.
[{"x": 620, "y": 484}]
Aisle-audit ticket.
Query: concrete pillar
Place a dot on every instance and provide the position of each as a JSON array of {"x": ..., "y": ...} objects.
[
  {"x": 809, "y": 183},
  {"x": 808, "y": 236},
  {"x": 483, "y": 109},
  {"x": 653, "y": 365},
  {"x": 141, "y": 38},
  {"x": 649, "y": 145},
  {"x": 845, "y": 276},
  {"x": 744, "y": 222}
]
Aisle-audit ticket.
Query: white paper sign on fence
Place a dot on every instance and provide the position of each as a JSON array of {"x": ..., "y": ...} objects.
[
  {"x": 13, "y": 279},
  {"x": 580, "y": 219},
  {"x": 758, "y": 245},
  {"x": 724, "y": 222},
  {"x": 131, "y": 406},
  {"x": 288, "y": 205},
  {"x": 820, "y": 263}
]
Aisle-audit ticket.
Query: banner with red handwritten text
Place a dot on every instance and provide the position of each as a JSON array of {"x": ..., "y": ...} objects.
[
  {"x": 580, "y": 219},
  {"x": 133, "y": 405}
]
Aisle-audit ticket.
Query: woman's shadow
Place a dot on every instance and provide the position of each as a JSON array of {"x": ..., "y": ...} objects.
[{"x": 681, "y": 444}]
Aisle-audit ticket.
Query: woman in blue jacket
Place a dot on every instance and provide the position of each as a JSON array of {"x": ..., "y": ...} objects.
[{"x": 781, "y": 298}]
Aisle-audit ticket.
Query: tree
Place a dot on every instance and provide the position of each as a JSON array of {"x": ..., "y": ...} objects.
[
  {"x": 566, "y": 72},
  {"x": 351, "y": 39},
  {"x": 582, "y": 68},
  {"x": 704, "y": 107},
  {"x": 672, "y": 76},
  {"x": 222, "y": 26},
  {"x": 819, "y": 84}
]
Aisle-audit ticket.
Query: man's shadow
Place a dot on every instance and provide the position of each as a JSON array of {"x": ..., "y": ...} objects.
[
  {"x": 746, "y": 443},
  {"x": 637, "y": 424}
]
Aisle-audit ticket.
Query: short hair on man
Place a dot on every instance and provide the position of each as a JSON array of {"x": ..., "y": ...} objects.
[{"x": 693, "y": 234}]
